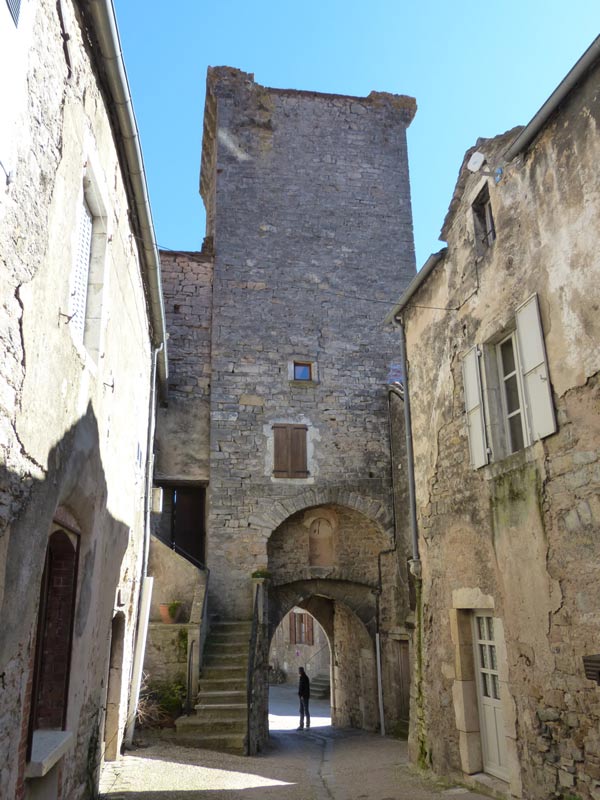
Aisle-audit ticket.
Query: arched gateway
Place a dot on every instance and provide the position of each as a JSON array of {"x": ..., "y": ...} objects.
[{"x": 341, "y": 565}]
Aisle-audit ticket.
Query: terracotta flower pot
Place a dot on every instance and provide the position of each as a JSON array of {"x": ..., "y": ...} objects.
[{"x": 170, "y": 612}]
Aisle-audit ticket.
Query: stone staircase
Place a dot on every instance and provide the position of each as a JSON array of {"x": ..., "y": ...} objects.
[
  {"x": 319, "y": 686},
  {"x": 221, "y": 718}
]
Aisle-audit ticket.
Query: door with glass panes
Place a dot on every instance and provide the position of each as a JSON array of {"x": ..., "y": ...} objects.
[{"x": 493, "y": 742}]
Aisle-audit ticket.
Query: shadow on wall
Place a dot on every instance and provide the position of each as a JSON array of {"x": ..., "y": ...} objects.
[{"x": 74, "y": 488}]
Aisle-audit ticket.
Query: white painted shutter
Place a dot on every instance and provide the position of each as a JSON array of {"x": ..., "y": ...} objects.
[
  {"x": 474, "y": 409},
  {"x": 80, "y": 274},
  {"x": 534, "y": 369}
]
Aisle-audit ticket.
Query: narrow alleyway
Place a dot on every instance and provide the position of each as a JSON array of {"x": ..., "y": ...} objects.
[{"x": 324, "y": 763}]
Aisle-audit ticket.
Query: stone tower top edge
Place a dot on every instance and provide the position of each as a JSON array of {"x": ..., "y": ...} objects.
[{"x": 221, "y": 79}]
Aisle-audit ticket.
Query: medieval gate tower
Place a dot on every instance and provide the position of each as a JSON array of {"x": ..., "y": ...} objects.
[{"x": 309, "y": 239}]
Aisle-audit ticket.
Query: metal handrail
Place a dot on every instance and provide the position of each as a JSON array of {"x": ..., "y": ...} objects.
[
  {"x": 316, "y": 654},
  {"x": 251, "y": 664},
  {"x": 188, "y": 699}
]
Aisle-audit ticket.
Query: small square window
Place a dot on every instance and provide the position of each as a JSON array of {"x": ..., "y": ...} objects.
[{"x": 302, "y": 371}]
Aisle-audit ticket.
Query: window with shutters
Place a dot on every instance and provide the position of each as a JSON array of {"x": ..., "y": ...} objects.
[
  {"x": 89, "y": 267},
  {"x": 508, "y": 397},
  {"x": 301, "y": 628},
  {"x": 289, "y": 451}
]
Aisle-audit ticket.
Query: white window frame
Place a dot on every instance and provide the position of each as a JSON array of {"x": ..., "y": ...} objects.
[
  {"x": 521, "y": 410},
  {"x": 486, "y": 402},
  {"x": 89, "y": 281}
]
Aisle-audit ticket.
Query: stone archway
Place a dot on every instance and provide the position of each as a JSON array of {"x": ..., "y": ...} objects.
[
  {"x": 347, "y": 614},
  {"x": 325, "y": 557}
]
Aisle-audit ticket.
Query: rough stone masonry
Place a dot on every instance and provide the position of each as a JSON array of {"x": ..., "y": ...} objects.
[{"x": 308, "y": 210}]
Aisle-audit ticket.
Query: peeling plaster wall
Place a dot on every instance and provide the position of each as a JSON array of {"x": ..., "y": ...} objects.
[
  {"x": 522, "y": 533},
  {"x": 73, "y": 431}
]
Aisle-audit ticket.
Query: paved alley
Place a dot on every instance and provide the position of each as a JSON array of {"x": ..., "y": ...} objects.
[{"x": 324, "y": 763}]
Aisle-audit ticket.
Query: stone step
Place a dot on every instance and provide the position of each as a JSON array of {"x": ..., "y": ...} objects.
[
  {"x": 224, "y": 742},
  {"x": 222, "y": 698},
  {"x": 224, "y": 672},
  {"x": 219, "y": 659},
  {"x": 208, "y": 727},
  {"x": 222, "y": 684},
  {"x": 233, "y": 712}
]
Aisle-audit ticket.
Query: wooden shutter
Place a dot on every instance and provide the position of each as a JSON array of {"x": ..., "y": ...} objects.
[
  {"x": 14, "y": 6},
  {"x": 292, "y": 628},
  {"x": 289, "y": 451},
  {"x": 534, "y": 370},
  {"x": 474, "y": 408},
  {"x": 298, "y": 465},
  {"x": 309, "y": 630},
  {"x": 80, "y": 274},
  {"x": 281, "y": 451}
]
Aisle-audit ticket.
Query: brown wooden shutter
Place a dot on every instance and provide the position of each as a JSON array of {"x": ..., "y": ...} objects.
[
  {"x": 309, "y": 630},
  {"x": 281, "y": 459},
  {"x": 298, "y": 465},
  {"x": 292, "y": 628}
]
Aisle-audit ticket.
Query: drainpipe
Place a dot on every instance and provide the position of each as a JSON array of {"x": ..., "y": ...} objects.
[
  {"x": 415, "y": 561},
  {"x": 146, "y": 582}
]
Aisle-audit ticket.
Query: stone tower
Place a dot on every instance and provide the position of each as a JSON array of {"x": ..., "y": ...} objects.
[
  {"x": 308, "y": 212},
  {"x": 278, "y": 396}
]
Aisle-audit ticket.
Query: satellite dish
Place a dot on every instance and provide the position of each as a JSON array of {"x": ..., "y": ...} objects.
[{"x": 476, "y": 162}]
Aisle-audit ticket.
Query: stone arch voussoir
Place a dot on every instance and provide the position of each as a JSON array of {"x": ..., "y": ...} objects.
[{"x": 270, "y": 519}]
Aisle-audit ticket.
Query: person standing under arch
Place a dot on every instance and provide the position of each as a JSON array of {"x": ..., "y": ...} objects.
[{"x": 304, "y": 695}]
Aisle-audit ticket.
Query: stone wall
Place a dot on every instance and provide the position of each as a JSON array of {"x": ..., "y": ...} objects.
[
  {"x": 309, "y": 210},
  {"x": 182, "y": 431},
  {"x": 73, "y": 424},
  {"x": 288, "y": 656},
  {"x": 516, "y": 538}
]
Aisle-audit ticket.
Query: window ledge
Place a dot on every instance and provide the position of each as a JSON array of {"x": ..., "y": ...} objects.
[
  {"x": 48, "y": 747},
  {"x": 529, "y": 454},
  {"x": 303, "y": 383}
]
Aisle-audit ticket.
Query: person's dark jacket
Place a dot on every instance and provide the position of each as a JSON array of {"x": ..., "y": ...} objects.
[{"x": 304, "y": 686}]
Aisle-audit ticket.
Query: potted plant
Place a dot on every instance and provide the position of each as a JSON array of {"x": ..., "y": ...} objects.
[{"x": 171, "y": 612}]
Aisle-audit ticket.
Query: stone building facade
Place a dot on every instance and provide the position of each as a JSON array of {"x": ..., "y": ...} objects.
[
  {"x": 279, "y": 402},
  {"x": 502, "y": 333},
  {"x": 80, "y": 323}
]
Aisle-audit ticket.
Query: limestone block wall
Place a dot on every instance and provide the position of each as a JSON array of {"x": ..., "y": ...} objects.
[
  {"x": 73, "y": 425},
  {"x": 309, "y": 210},
  {"x": 516, "y": 538},
  {"x": 288, "y": 655},
  {"x": 182, "y": 432}
]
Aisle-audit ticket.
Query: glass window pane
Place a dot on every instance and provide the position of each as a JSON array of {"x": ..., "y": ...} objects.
[
  {"x": 490, "y": 627},
  {"x": 511, "y": 392},
  {"x": 508, "y": 357},
  {"x": 493, "y": 657},
  {"x": 516, "y": 433},
  {"x": 483, "y": 654},
  {"x": 495, "y": 687},
  {"x": 486, "y": 684},
  {"x": 481, "y": 628},
  {"x": 301, "y": 372}
]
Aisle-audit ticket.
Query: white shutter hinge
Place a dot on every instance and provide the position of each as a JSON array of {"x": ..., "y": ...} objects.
[{"x": 478, "y": 351}]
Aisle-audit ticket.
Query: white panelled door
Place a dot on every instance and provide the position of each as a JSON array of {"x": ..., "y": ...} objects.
[{"x": 493, "y": 739}]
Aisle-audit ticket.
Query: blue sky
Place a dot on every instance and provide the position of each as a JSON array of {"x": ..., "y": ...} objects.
[{"x": 476, "y": 69}]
